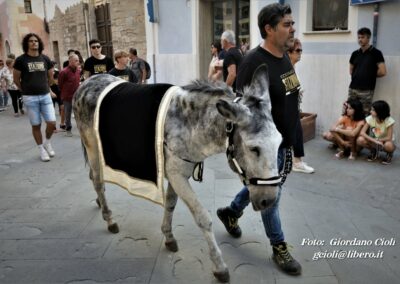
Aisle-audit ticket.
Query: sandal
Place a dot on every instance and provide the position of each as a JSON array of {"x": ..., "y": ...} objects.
[
  {"x": 339, "y": 155},
  {"x": 352, "y": 156}
]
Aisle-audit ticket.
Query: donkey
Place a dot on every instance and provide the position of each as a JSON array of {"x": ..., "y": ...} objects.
[{"x": 201, "y": 120}]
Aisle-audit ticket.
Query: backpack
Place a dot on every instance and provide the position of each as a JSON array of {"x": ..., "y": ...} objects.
[{"x": 148, "y": 69}]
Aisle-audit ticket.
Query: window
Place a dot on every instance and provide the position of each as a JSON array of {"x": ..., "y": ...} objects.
[
  {"x": 28, "y": 6},
  {"x": 330, "y": 15},
  {"x": 232, "y": 15}
]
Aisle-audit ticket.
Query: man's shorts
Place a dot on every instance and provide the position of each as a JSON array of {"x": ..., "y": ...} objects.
[
  {"x": 39, "y": 105},
  {"x": 364, "y": 96}
]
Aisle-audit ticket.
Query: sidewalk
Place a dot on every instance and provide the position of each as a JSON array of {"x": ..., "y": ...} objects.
[{"x": 51, "y": 230}]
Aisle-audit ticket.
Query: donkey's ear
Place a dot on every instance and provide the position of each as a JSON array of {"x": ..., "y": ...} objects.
[
  {"x": 260, "y": 82},
  {"x": 234, "y": 112}
]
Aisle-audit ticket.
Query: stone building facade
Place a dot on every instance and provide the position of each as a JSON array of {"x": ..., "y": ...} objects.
[
  {"x": 128, "y": 25},
  {"x": 68, "y": 30},
  {"x": 15, "y": 23},
  {"x": 77, "y": 24}
]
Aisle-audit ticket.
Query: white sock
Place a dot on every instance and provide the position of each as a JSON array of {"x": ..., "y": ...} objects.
[
  {"x": 40, "y": 147},
  {"x": 46, "y": 141}
]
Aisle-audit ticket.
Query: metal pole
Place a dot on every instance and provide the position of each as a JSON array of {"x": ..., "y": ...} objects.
[{"x": 375, "y": 27}]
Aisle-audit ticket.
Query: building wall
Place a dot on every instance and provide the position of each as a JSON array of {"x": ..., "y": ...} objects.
[
  {"x": 324, "y": 68},
  {"x": 173, "y": 42},
  {"x": 68, "y": 29},
  {"x": 15, "y": 23},
  {"x": 128, "y": 25},
  {"x": 73, "y": 25}
]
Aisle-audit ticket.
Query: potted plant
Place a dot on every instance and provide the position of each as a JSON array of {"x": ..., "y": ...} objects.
[{"x": 308, "y": 122}]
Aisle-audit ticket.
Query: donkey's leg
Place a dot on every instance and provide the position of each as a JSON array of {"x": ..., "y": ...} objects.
[
  {"x": 166, "y": 228},
  {"x": 98, "y": 183},
  {"x": 203, "y": 219}
]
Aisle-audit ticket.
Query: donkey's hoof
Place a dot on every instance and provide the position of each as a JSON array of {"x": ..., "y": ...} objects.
[
  {"x": 98, "y": 202},
  {"x": 222, "y": 276},
  {"x": 172, "y": 245},
  {"x": 113, "y": 228}
]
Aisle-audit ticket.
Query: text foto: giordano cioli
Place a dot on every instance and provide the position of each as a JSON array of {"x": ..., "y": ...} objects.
[{"x": 349, "y": 242}]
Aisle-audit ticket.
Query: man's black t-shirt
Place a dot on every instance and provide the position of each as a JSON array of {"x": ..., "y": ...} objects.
[
  {"x": 232, "y": 56},
  {"x": 98, "y": 66},
  {"x": 365, "y": 68},
  {"x": 34, "y": 76},
  {"x": 284, "y": 89},
  {"x": 125, "y": 74}
]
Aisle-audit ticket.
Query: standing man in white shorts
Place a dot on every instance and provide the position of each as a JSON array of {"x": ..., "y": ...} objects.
[{"x": 33, "y": 75}]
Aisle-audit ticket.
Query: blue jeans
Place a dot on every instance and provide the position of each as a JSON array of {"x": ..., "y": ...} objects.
[
  {"x": 270, "y": 216},
  {"x": 39, "y": 105}
]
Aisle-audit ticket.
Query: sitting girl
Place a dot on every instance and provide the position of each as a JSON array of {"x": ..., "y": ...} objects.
[
  {"x": 344, "y": 133},
  {"x": 380, "y": 135}
]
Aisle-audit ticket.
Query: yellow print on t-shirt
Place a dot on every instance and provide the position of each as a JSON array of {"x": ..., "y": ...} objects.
[
  {"x": 100, "y": 68},
  {"x": 290, "y": 81},
  {"x": 124, "y": 77},
  {"x": 36, "y": 66}
]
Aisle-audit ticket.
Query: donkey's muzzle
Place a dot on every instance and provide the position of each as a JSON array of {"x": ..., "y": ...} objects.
[
  {"x": 263, "y": 204},
  {"x": 263, "y": 197}
]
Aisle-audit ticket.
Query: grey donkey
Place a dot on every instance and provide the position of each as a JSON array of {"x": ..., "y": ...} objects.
[{"x": 201, "y": 119}]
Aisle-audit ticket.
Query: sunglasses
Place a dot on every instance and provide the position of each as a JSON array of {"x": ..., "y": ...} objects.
[
  {"x": 95, "y": 46},
  {"x": 299, "y": 50}
]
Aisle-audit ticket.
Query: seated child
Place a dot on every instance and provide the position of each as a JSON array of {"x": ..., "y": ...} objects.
[
  {"x": 377, "y": 133},
  {"x": 344, "y": 133}
]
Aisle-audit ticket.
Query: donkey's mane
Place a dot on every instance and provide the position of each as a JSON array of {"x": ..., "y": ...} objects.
[{"x": 206, "y": 87}]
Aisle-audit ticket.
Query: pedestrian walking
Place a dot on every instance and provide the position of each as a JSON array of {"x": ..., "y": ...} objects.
[
  {"x": 16, "y": 97},
  {"x": 68, "y": 82},
  {"x": 33, "y": 75},
  {"x": 121, "y": 69},
  {"x": 299, "y": 165},
  {"x": 138, "y": 66},
  {"x": 97, "y": 63},
  {"x": 276, "y": 28},
  {"x": 233, "y": 58}
]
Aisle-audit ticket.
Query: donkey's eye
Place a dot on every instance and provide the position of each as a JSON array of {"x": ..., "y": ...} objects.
[{"x": 255, "y": 150}]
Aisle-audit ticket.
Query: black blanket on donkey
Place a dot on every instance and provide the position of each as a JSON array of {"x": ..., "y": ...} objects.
[{"x": 127, "y": 117}]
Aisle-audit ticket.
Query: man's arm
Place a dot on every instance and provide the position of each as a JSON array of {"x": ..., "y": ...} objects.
[
  {"x": 351, "y": 69},
  {"x": 17, "y": 78},
  {"x": 381, "y": 69},
  {"x": 61, "y": 80},
  {"x": 231, "y": 75},
  {"x": 144, "y": 73},
  {"x": 50, "y": 76}
]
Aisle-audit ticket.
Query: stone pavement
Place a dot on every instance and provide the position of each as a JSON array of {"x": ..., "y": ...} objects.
[{"x": 51, "y": 230}]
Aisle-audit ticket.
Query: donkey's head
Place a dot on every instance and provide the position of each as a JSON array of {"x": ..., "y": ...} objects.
[{"x": 254, "y": 140}]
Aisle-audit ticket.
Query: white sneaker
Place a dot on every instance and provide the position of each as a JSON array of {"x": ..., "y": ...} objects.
[
  {"x": 302, "y": 167},
  {"x": 43, "y": 155},
  {"x": 49, "y": 149}
]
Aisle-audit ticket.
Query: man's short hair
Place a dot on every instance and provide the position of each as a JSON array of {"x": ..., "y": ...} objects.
[
  {"x": 271, "y": 15},
  {"x": 93, "y": 41},
  {"x": 133, "y": 51},
  {"x": 364, "y": 31},
  {"x": 70, "y": 50},
  {"x": 229, "y": 36},
  {"x": 120, "y": 53}
]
